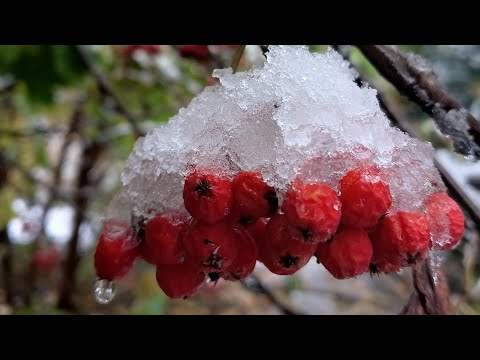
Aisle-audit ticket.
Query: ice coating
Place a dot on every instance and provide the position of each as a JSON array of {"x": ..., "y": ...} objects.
[{"x": 299, "y": 114}]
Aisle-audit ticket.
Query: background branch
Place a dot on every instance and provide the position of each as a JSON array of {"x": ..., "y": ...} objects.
[
  {"x": 107, "y": 91},
  {"x": 413, "y": 77}
]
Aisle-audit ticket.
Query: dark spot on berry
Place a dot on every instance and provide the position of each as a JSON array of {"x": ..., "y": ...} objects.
[
  {"x": 306, "y": 234},
  {"x": 330, "y": 239},
  {"x": 235, "y": 275},
  {"x": 214, "y": 261},
  {"x": 316, "y": 257},
  {"x": 213, "y": 276},
  {"x": 373, "y": 270},
  {"x": 413, "y": 259},
  {"x": 382, "y": 217},
  {"x": 271, "y": 197},
  {"x": 288, "y": 261},
  {"x": 208, "y": 242},
  {"x": 203, "y": 188},
  {"x": 245, "y": 220}
]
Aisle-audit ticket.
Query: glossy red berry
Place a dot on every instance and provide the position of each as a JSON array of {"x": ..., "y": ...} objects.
[
  {"x": 313, "y": 210},
  {"x": 207, "y": 197},
  {"x": 116, "y": 251},
  {"x": 198, "y": 52},
  {"x": 163, "y": 240},
  {"x": 211, "y": 247},
  {"x": 400, "y": 240},
  {"x": 180, "y": 280},
  {"x": 245, "y": 258},
  {"x": 365, "y": 197},
  {"x": 280, "y": 251},
  {"x": 446, "y": 220},
  {"x": 253, "y": 197},
  {"x": 347, "y": 255}
]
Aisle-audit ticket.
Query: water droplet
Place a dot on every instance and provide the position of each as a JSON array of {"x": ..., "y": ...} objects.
[{"x": 104, "y": 291}]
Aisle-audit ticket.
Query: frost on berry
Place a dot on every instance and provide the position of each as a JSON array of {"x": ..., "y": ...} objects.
[
  {"x": 446, "y": 221},
  {"x": 347, "y": 255},
  {"x": 116, "y": 251},
  {"x": 312, "y": 210},
  {"x": 365, "y": 196},
  {"x": 280, "y": 250},
  {"x": 180, "y": 280},
  {"x": 400, "y": 240},
  {"x": 207, "y": 196}
]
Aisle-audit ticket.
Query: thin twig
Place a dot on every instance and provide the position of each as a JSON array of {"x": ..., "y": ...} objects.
[
  {"x": 259, "y": 287},
  {"x": 237, "y": 57},
  {"x": 90, "y": 154},
  {"x": 264, "y": 49},
  {"x": 413, "y": 78},
  {"x": 74, "y": 127},
  {"x": 107, "y": 91}
]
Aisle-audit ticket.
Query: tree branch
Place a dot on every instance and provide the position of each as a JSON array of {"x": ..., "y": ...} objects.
[
  {"x": 90, "y": 155},
  {"x": 427, "y": 298},
  {"x": 107, "y": 91},
  {"x": 410, "y": 74},
  {"x": 259, "y": 287},
  {"x": 6, "y": 261}
]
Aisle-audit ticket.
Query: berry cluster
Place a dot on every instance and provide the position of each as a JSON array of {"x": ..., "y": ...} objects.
[{"x": 235, "y": 222}]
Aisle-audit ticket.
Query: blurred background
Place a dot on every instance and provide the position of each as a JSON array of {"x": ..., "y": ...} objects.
[{"x": 69, "y": 117}]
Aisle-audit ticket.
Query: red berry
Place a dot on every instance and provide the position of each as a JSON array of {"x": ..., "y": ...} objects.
[
  {"x": 365, "y": 197},
  {"x": 280, "y": 251},
  {"x": 313, "y": 210},
  {"x": 180, "y": 280},
  {"x": 400, "y": 240},
  {"x": 257, "y": 230},
  {"x": 211, "y": 247},
  {"x": 446, "y": 220},
  {"x": 162, "y": 244},
  {"x": 117, "y": 250},
  {"x": 253, "y": 197},
  {"x": 245, "y": 259},
  {"x": 199, "y": 52},
  {"x": 207, "y": 197},
  {"x": 46, "y": 260},
  {"x": 347, "y": 255}
]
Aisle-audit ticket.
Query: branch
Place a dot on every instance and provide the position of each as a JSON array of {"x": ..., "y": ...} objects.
[
  {"x": 259, "y": 287},
  {"x": 410, "y": 74},
  {"x": 237, "y": 57},
  {"x": 428, "y": 298},
  {"x": 90, "y": 155},
  {"x": 107, "y": 91},
  {"x": 74, "y": 127}
]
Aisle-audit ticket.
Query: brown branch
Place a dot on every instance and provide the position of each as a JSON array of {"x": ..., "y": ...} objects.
[
  {"x": 90, "y": 154},
  {"x": 413, "y": 78},
  {"x": 107, "y": 91},
  {"x": 74, "y": 127},
  {"x": 237, "y": 57},
  {"x": 259, "y": 287},
  {"x": 427, "y": 298}
]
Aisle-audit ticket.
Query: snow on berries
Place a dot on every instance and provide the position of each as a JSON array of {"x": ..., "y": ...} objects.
[{"x": 276, "y": 164}]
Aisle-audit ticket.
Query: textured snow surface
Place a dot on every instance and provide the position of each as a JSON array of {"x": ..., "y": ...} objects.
[{"x": 300, "y": 114}]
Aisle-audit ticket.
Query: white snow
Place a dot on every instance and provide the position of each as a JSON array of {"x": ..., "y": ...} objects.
[{"x": 298, "y": 114}]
